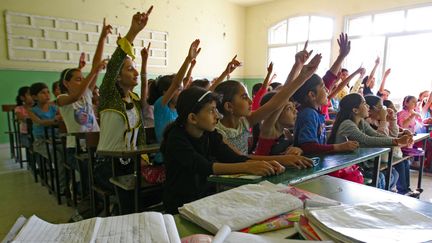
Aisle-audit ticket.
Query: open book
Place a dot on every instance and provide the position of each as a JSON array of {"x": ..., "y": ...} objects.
[
  {"x": 139, "y": 227},
  {"x": 371, "y": 222}
]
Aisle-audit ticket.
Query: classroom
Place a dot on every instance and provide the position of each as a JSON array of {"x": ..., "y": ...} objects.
[{"x": 115, "y": 107}]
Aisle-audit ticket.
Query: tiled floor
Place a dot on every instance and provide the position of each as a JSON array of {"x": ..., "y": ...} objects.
[{"x": 20, "y": 195}]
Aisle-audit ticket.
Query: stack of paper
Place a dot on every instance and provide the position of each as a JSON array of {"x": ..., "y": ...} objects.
[
  {"x": 239, "y": 208},
  {"x": 140, "y": 227},
  {"x": 373, "y": 222}
]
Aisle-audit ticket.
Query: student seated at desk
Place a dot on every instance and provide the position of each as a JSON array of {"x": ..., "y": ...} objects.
[
  {"x": 193, "y": 150},
  {"x": 75, "y": 102},
  {"x": 120, "y": 108},
  {"x": 237, "y": 116},
  {"x": 350, "y": 125},
  {"x": 44, "y": 113}
]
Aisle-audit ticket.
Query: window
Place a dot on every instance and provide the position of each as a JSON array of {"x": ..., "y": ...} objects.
[
  {"x": 287, "y": 37},
  {"x": 400, "y": 38}
]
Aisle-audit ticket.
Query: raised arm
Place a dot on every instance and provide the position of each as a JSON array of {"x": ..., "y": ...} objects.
[
  {"x": 188, "y": 79},
  {"x": 372, "y": 74},
  {"x": 285, "y": 93},
  {"x": 383, "y": 81},
  {"x": 194, "y": 50},
  {"x": 336, "y": 90},
  {"x": 144, "y": 84},
  {"x": 425, "y": 108},
  {"x": 300, "y": 59},
  {"x": 232, "y": 65},
  {"x": 97, "y": 58},
  {"x": 344, "y": 50}
]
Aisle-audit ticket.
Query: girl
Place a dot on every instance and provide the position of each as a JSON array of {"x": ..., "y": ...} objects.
[
  {"x": 237, "y": 116},
  {"x": 350, "y": 124},
  {"x": 384, "y": 121},
  {"x": 369, "y": 81},
  {"x": 408, "y": 118},
  {"x": 44, "y": 113},
  {"x": 119, "y": 107},
  {"x": 75, "y": 102},
  {"x": 24, "y": 104},
  {"x": 272, "y": 139},
  {"x": 193, "y": 150}
]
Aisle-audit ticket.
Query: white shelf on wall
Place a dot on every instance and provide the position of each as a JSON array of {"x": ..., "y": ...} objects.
[{"x": 59, "y": 40}]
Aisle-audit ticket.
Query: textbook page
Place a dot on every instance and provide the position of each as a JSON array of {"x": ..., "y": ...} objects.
[
  {"x": 138, "y": 227},
  {"x": 38, "y": 230},
  {"x": 372, "y": 222}
]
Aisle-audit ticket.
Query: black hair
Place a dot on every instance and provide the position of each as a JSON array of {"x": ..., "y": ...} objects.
[
  {"x": 346, "y": 106},
  {"x": 55, "y": 85},
  {"x": 21, "y": 93},
  {"x": 227, "y": 90},
  {"x": 255, "y": 88},
  {"x": 203, "y": 83},
  {"x": 406, "y": 99},
  {"x": 389, "y": 104},
  {"x": 301, "y": 95},
  {"x": 65, "y": 75},
  {"x": 372, "y": 100},
  {"x": 158, "y": 87},
  {"x": 188, "y": 102},
  {"x": 344, "y": 70},
  {"x": 37, "y": 87},
  {"x": 275, "y": 85}
]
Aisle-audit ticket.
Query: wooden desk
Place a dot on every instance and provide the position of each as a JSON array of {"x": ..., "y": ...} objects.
[
  {"x": 135, "y": 155},
  {"x": 328, "y": 164}
]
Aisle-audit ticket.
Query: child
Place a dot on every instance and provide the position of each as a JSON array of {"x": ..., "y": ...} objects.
[
  {"x": 24, "y": 104},
  {"x": 235, "y": 106},
  {"x": 55, "y": 88},
  {"x": 383, "y": 92},
  {"x": 384, "y": 122},
  {"x": 369, "y": 81},
  {"x": 408, "y": 118},
  {"x": 403, "y": 168},
  {"x": 44, "y": 113},
  {"x": 120, "y": 108},
  {"x": 272, "y": 139},
  {"x": 76, "y": 106},
  {"x": 350, "y": 125},
  {"x": 193, "y": 150},
  {"x": 121, "y": 126}
]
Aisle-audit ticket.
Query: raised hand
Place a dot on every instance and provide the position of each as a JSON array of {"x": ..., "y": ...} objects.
[
  {"x": 232, "y": 65},
  {"x": 102, "y": 65},
  {"x": 145, "y": 52},
  {"x": 106, "y": 29},
  {"x": 377, "y": 61},
  {"x": 302, "y": 56},
  {"x": 270, "y": 68},
  {"x": 272, "y": 78},
  {"x": 344, "y": 45},
  {"x": 82, "y": 61},
  {"x": 194, "y": 49},
  {"x": 193, "y": 63},
  {"x": 119, "y": 37},
  {"x": 311, "y": 67},
  {"x": 387, "y": 72},
  {"x": 139, "y": 21}
]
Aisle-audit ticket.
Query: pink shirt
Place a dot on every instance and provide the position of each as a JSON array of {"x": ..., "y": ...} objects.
[
  {"x": 412, "y": 125},
  {"x": 257, "y": 98},
  {"x": 23, "y": 112}
]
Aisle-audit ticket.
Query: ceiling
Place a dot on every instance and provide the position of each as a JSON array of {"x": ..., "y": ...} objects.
[{"x": 248, "y": 3}]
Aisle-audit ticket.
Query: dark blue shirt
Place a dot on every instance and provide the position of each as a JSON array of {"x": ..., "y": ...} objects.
[{"x": 309, "y": 127}]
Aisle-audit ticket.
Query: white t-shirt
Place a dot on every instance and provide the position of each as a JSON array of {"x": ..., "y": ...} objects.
[{"x": 79, "y": 117}]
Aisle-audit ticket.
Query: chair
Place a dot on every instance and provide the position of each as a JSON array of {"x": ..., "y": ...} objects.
[
  {"x": 92, "y": 140},
  {"x": 10, "y": 114}
]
